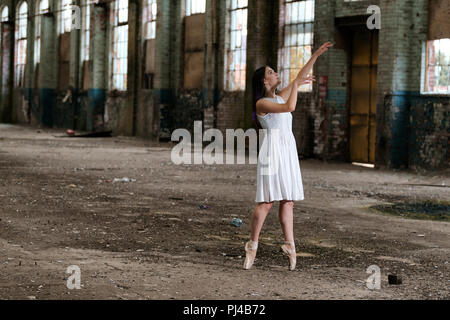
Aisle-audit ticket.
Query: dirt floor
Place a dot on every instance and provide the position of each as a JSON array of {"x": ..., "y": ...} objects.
[{"x": 148, "y": 238}]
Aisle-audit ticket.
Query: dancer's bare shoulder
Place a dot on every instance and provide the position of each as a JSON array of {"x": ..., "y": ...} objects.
[{"x": 264, "y": 106}]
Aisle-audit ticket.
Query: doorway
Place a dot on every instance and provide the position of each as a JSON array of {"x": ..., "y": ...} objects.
[{"x": 362, "y": 113}]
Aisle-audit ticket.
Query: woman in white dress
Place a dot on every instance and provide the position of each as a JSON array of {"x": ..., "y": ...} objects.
[{"x": 282, "y": 180}]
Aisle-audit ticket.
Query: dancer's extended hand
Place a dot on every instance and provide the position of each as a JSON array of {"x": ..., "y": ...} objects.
[
  {"x": 323, "y": 48},
  {"x": 305, "y": 80}
]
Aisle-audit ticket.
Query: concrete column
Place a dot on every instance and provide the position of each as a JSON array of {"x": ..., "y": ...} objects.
[
  {"x": 262, "y": 45},
  {"x": 48, "y": 69},
  {"x": 403, "y": 30},
  {"x": 7, "y": 65},
  {"x": 133, "y": 58},
  {"x": 211, "y": 67},
  {"x": 97, "y": 92}
]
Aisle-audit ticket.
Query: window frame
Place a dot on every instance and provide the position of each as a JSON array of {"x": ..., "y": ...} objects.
[
  {"x": 62, "y": 19},
  {"x": 286, "y": 69},
  {"x": 148, "y": 6},
  {"x": 116, "y": 25},
  {"x": 85, "y": 47},
  {"x": 425, "y": 71},
  {"x": 20, "y": 44},
  {"x": 228, "y": 50},
  {"x": 189, "y": 7},
  {"x": 37, "y": 30},
  {"x": 2, "y": 13}
]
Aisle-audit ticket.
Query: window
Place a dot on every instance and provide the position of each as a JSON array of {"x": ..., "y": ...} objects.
[
  {"x": 150, "y": 12},
  {"x": 65, "y": 16},
  {"x": 5, "y": 14},
  {"x": 236, "y": 53},
  {"x": 119, "y": 44},
  {"x": 438, "y": 66},
  {"x": 86, "y": 29},
  {"x": 195, "y": 6},
  {"x": 20, "y": 57},
  {"x": 41, "y": 8},
  {"x": 298, "y": 30}
]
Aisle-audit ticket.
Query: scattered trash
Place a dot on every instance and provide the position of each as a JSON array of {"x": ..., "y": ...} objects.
[
  {"x": 140, "y": 250},
  {"x": 100, "y": 134},
  {"x": 236, "y": 222},
  {"x": 202, "y": 206},
  {"x": 421, "y": 235},
  {"x": 175, "y": 198},
  {"x": 124, "y": 179},
  {"x": 72, "y": 185},
  {"x": 231, "y": 255},
  {"x": 394, "y": 279}
]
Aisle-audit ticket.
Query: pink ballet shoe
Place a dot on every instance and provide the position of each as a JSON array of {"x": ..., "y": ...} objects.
[
  {"x": 288, "y": 249},
  {"x": 250, "y": 253}
]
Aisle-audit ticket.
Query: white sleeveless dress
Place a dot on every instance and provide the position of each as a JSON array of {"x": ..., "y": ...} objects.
[{"x": 278, "y": 169}]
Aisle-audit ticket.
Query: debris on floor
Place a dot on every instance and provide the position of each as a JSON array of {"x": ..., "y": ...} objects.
[
  {"x": 394, "y": 279},
  {"x": 236, "y": 222},
  {"x": 125, "y": 179}
]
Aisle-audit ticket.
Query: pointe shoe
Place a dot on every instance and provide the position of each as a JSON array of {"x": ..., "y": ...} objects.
[
  {"x": 288, "y": 249},
  {"x": 250, "y": 253}
]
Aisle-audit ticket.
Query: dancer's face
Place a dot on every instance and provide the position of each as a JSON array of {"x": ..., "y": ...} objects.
[{"x": 271, "y": 79}]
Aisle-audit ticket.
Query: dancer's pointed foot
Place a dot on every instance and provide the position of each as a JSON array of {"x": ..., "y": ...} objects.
[
  {"x": 288, "y": 249},
  {"x": 250, "y": 253}
]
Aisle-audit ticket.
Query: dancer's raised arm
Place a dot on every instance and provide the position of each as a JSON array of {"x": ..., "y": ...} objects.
[{"x": 302, "y": 76}]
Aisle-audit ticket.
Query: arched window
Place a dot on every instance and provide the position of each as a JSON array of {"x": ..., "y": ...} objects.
[
  {"x": 5, "y": 14},
  {"x": 65, "y": 16},
  {"x": 119, "y": 45},
  {"x": 41, "y": 8},
  {"x": 20, "y": 57},
  {"x": 149, "y": 17}
]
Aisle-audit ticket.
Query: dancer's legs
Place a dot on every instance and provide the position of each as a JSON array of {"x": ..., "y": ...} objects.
[
  {"x": 258, "y": 217},
  {"x": 286, "y": 216}
]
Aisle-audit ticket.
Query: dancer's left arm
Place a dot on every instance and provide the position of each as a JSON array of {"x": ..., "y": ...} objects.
[{"x": 303, "y": 75}]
